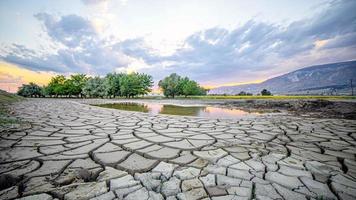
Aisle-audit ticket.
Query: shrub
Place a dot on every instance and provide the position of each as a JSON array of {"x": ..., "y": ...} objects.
[{"x": 265, "y": 92}]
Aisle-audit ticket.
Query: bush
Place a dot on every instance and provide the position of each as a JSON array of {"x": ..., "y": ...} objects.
[
  {"x": 265, "y": 92},
  {"x": 243, "y": 93}
]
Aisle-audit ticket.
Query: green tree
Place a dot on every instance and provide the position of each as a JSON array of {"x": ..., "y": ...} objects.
[
  {"x": 95, "y": 87},
  {"x": 74, "y": 85},
  {"x": 126, "y": 85},
  {"x": 135, "y": 84},
  {"x": 145, "y": 82},
  {"x": 171, "y": 85},
  {"x": 190, "y": 87},
  {"x": 30, "y": 90},
  {"x": 202, "y": 91},
  {"x": 56, "y": 86},
  {"x": 265, "y": 92},
  {"x": 174, "y": 85},
  {"x": 112, "y": 84}
]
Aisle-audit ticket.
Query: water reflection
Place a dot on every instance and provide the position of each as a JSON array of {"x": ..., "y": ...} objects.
[
  {"x": 198, "y": 111},
  {"x": 181, "y": 110},
  {"x": 127, "y": 106}
]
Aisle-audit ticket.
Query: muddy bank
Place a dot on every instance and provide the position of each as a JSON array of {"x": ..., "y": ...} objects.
[{"x": 313, "y": 108}]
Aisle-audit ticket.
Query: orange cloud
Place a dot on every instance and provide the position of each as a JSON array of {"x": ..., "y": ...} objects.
[
  {"x": 320, "y": 43},
  {"x": 12, "y": 77},
  {"x": 231, "y": 84}
]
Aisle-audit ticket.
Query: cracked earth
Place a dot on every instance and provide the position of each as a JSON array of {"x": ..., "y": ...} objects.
[{"x": 73, "y": 150}]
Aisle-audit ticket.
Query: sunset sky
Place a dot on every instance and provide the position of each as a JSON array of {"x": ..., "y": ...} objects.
[{"x": 216, "y": 42}]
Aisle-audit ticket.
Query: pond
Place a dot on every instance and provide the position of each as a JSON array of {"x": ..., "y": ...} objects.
[{"x": 197, "y": 111}]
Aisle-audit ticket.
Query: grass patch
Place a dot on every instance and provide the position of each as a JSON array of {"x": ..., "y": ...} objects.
[
  {"x": 277, "y": 97},
  {"x": 6, "y": 99},
  {"x": 5, "y": 120}
]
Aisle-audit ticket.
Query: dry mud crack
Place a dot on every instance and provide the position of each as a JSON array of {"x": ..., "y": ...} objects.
[{"x": 77, "y": 151}]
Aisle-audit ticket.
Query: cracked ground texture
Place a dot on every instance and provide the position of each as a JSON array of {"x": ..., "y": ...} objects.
[{"x": 73, "y": 150}]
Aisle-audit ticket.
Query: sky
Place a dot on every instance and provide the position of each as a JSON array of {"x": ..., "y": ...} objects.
[{"x": 215, "y": 42}]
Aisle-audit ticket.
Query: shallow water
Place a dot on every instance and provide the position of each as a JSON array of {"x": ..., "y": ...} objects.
[{"x": 197, "y": 111}]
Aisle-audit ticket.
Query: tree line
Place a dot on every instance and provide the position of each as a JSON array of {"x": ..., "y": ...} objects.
[
  {"x": 80, "y": 85},
  {"x": 111, "y": 86}
]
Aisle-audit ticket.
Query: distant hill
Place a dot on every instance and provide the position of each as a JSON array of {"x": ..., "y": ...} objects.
[{"x": 318, "y": 79}]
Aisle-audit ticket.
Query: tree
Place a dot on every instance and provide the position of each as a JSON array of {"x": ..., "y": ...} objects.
[
  {"x": 56, "y": 86},
  {"x": 171, "y": 85},
  {"x": 146, "y": 84},
  {"x": 61, "y": 86},
  {"x": 74, "y": 85},
  {"x": 112, "y": 84},
  {"x": 265, "y": 92},
  {"x": 95, "y": 87},
  {"x": 30, "y": 90},
  {"x": 190, "y": 87},
  {"x": 174, "y": 85},
  {"x": 135, "y": 84},
  {"x": 127, "y": 85}
]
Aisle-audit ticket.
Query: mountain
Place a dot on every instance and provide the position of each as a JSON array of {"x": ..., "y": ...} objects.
[{"x": 319, "y": 79}]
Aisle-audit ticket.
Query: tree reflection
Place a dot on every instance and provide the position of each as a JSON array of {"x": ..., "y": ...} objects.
[
  {"x": 181, "y": 110},
  {"x": 127, "y": 106}
]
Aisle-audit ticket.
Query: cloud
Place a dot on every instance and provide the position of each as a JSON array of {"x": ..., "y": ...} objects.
[
  {"x": 80, "y": 49},
  {"x": 93, "y": 2},
  {"x": 138, "y": 48},
  {"x": 256, "y": 46},
  {"x": 251, "y": 51},
  {"x": 71, "y": 30},
  {"x": 341, "y": 41}
]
